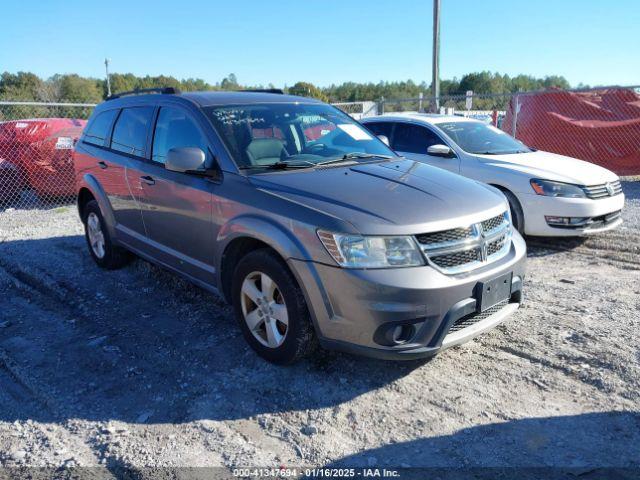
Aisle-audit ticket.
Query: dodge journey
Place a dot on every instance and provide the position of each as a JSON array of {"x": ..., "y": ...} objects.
[{"x": 309, "y": 225}]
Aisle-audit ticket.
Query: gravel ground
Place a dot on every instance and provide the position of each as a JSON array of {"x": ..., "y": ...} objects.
[{"x": 136, "y": 368}]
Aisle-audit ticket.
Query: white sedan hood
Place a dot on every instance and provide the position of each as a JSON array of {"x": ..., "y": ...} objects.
[{"x": 552, "y": 167}]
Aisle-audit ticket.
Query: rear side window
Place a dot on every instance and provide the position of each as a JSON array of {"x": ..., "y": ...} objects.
[
  {"x": 130, "y": 131},
  {"x": 414, "y": 138},
  {"x": 380, "y": 128},
  {"x": 175, "y": 129},
  {"x": 98, "y": 131}
]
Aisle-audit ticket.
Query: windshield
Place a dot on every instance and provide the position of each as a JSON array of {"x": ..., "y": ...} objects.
[
  {"x": 480, "y": 138},
  {"x": 261, "y": 136}
]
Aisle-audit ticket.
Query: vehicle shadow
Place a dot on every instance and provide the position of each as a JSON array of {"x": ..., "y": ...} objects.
[
  {"x": 577, "y": 443},
  {"x": 545, "y": 246},
  {"x": 141, "y": 345}
]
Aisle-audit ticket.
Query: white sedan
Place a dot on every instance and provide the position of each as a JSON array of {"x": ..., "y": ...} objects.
[{"x": 549, "y": 194}]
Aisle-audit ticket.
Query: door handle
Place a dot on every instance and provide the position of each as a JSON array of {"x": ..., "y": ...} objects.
[
  {"x": 102, "y": 164},
  {"x": 148, "y": 180}
]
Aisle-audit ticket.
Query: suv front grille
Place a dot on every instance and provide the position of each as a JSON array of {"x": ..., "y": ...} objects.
[
  {"x": 604, "y": 190},
  {"x": 452, "y": 260},
  {"x": 493, "y": 223},
  {"x": 495, "y": 246},
  {"x": 445, "y": 236},
  {"x": 465, "y": 248}
]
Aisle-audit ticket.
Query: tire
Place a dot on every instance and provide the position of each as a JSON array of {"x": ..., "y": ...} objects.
[
  {"x": 103, "y": 252},
  {"x": 517, "y": 215},
  {"x": 298, "y": 338}
]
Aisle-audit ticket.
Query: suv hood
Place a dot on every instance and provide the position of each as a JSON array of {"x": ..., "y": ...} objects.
[
  {"x": 387, "y": 198},
  {"x": 552, "y": 166}
]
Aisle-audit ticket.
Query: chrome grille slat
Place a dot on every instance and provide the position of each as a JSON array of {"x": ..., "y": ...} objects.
[
  {"x": 464, "y": 248},
  {"x": 595, "y": 192}
]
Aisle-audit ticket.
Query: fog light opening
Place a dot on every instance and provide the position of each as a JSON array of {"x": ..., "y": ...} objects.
[
  {"x": 402, "y": 334},
  {"x": 567, "y": 222}
]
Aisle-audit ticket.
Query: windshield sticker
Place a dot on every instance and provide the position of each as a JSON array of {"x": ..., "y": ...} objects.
[{"x": 354, "y": 131}]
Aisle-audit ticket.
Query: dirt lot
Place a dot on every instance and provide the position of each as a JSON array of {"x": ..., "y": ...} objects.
[{"x": 137, "y": 368}]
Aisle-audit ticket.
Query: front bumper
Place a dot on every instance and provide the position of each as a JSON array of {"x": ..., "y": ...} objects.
[
  {"x": 354, "y": 310},
  {"x": 537, "y": 207}
]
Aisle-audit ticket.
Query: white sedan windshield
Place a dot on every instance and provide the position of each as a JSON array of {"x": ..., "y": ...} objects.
[{"x": 479, "y": 138}]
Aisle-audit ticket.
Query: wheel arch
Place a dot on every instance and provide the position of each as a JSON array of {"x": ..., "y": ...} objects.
[
  {"x": 507, "y": 191},
  {"x": 90, "y": 189},
  {"x": 246, "y": 234}
]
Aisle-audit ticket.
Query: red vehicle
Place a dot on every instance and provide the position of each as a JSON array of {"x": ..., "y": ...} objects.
[{"x": 36, "y": 154}]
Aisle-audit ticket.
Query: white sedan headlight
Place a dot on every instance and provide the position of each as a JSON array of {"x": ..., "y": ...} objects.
[
  {"x": 556, "y": 189},
  {"x": 357, "y": 251}
]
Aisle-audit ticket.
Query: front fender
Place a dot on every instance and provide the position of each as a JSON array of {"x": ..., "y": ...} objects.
[
  {"x": 91, "y": 183},
  {"x": 277, "y": 236}
]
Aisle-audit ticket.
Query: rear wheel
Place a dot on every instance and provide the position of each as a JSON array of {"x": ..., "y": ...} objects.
[
  {"x": 101, "y": 247},
  {"x": 270, "y": 308}
]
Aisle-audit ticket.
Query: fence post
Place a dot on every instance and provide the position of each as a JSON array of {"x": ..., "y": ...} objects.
[
  {"x": 420, "y": 97},
  {"x": 381, "y": 106},
  {"x": 514, "y": 121}
]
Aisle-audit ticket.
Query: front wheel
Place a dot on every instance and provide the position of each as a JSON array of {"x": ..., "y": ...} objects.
[{"x": 270, "y": 308}]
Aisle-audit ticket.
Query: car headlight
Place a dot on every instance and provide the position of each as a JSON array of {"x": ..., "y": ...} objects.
[
  {"x": 557, "y": 189},
  {"x": 357, "y": 251}
]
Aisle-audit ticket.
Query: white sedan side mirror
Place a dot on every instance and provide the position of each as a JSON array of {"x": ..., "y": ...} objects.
[
  {"x": 440, "y": 151},
  {"x": 384, "y": 139}
]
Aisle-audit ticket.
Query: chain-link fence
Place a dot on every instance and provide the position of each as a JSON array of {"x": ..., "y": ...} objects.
[
  {"x": 36, "y": 145},
  {"x": 599, "y": 125}
]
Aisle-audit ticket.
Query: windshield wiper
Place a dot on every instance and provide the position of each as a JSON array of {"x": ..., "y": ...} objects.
[
  {"x": 353, "y": 156},
  {"x": 508, "y": 152},
  {"x": 348, "y": 156},
  {"x": 277, "y": 166}
]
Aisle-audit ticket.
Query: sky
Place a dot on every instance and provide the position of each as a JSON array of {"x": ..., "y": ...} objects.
[{"x": 595, "y": 42}]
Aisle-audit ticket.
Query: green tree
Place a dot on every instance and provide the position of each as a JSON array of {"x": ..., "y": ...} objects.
[
  {"x": 306, "y": 89},
  {"x": 77, "y": 89},
  {"x": 230, "y": 82},
  {"x": 20, "y": 86}
]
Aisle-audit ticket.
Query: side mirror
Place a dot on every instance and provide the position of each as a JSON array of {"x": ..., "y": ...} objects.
[
  {"x": 384, "y": 139},
  {"x": 185, "y": 159},
  {"x": 440, "y": 151}
]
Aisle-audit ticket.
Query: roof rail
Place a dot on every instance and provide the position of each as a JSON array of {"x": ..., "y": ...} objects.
[
  {"x": 164, "y": 90},
  {"x": 264, "y": 90}
]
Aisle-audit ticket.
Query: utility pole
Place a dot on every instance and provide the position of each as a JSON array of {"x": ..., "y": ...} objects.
[
  {"x": 106, "y": 68},
  {"x": 435, "y": 81}
]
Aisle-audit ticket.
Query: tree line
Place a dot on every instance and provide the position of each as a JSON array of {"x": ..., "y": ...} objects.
[{"x": 26, "y": 86}]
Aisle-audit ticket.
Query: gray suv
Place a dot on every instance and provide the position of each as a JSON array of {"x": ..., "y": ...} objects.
[{"x": 309, "y": 225}]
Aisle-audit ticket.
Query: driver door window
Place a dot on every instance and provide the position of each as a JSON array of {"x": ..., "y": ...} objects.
[
  {"x": 174, "y": 129},
  {"x": 414, "y": 139}
]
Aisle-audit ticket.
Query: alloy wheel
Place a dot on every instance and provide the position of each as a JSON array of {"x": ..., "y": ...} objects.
[
  {"x": 96, "y": 236},
  {"x": 264, "y": 309}
]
